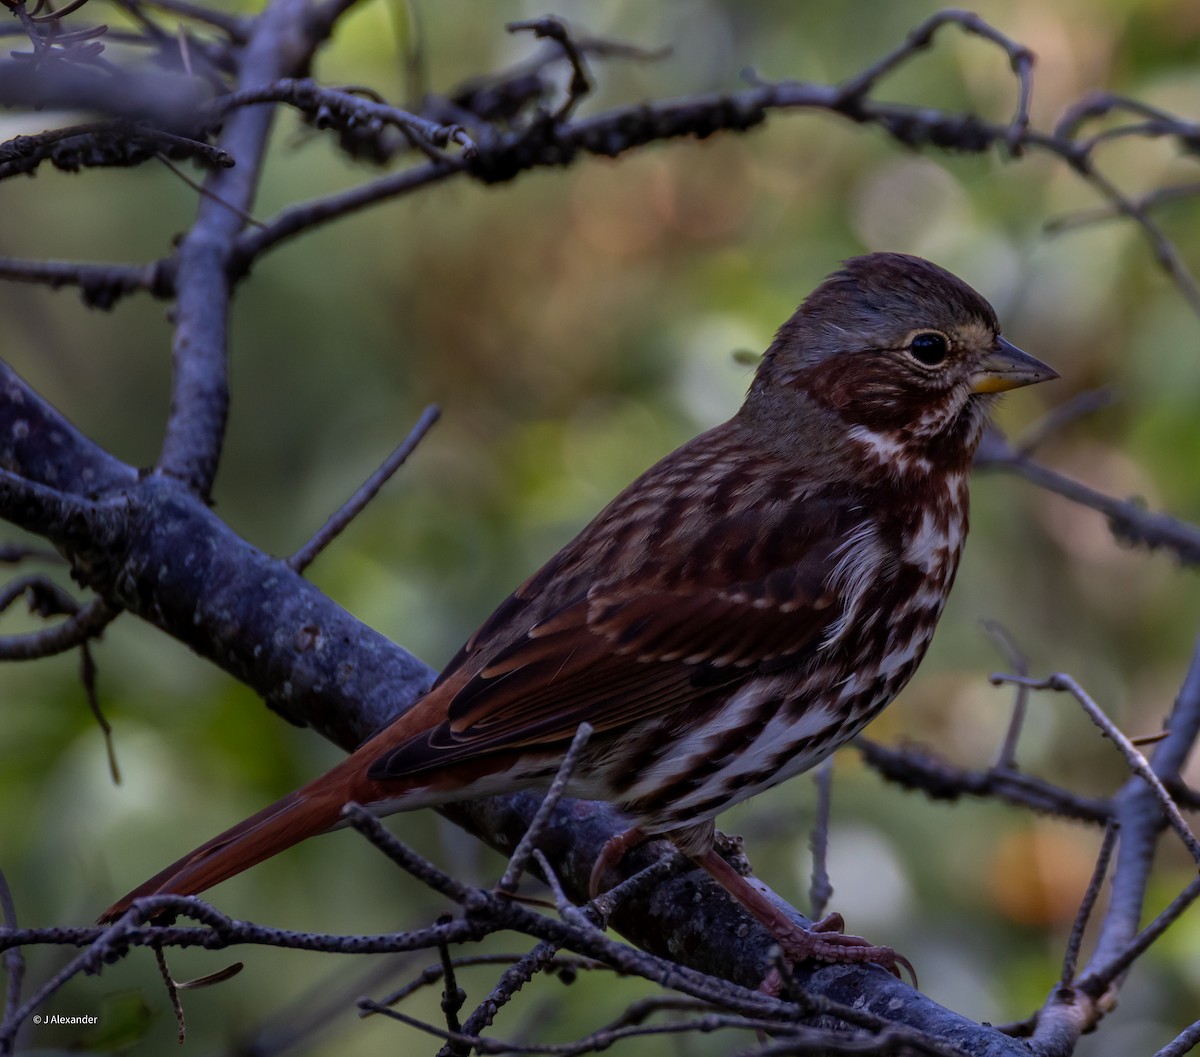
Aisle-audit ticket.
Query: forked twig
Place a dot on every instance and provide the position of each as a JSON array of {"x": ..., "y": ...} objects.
[
  {"x": 667, "y": 866},
  {"x": 1087, "y": 905},
  {"x": 1097, "y": 978},
  {"x": 555, "y": 29},
  {"x": 1019, "y": 57},
  {"x": 1006, "y": 758},
  {"x": 1137, "y": 763}
]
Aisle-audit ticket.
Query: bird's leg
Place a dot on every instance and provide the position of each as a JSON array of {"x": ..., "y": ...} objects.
[
  {"x": 611, "y": 854},
  {"x": 824, "y": 941}
]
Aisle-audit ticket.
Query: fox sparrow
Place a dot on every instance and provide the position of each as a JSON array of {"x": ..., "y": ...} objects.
[{"x": 742, "y": 609}]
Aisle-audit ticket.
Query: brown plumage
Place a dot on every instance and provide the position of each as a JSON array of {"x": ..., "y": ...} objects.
[{"x": 742, "y": 609}]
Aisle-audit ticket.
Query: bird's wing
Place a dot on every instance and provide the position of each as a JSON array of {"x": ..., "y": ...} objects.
[{"x": 621, "y": 653}]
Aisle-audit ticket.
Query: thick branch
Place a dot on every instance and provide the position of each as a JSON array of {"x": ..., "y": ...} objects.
[
  {"x": 282, "y": 43},
  {"x": 1140, "y": 819},
  {"x": 165, "y": 101},
  {"x": 161, "y": 553},
  {"x": 915, "y": 768}
]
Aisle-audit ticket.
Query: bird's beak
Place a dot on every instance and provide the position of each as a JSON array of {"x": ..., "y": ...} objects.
[{"x": 1007, "y": 367}]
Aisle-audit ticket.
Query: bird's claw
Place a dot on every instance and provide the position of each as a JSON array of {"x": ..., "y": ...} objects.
[{"x": 824, "y": 941}]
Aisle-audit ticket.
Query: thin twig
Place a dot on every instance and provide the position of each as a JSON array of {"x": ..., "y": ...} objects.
[
  {"x": 1098, "y": 977},
  {"x": 344, "y": 108},
  {"x": 1099, "y": 214},
  {"x": 511, "y": 981},
  {"x": 1183, "y": 1043},
  {"x": 1164, "y": 249},
  {"x": 1133, "y": 757},
  {"x": 453, "y": 996},
  {"x": 914, "y": 767},
  {"x": 76, "y": 630},
  {"x": 519, "y": 859},
  {"x": 353, "y": 506},
  {"x": 555, "y": 29},
  {"x": 211, "y": 195},
  {"x": 1020, "y": 58},
  {"x": 1080, "y": 405},
  {"x": 1006, "y": 758},
  {"x": 303, "y": 216},
  {"x": 820, "y": 888},
  {"x": 421, "y": 868},
  {"x": 164, "y": 971},
  {"x": 1099, "y": 104},
  {"x": 87, "y": 675},
  {"x": 55, "y": 15},
  {"x": 14, "y": 960},
  {"x": 1128, "y": 521},
  {"x": 606, "y": 903},
  {"x": 1087, "y": 905}
]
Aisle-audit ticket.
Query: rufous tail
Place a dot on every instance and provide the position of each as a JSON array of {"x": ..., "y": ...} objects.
[{"x": 313, "y": 809}]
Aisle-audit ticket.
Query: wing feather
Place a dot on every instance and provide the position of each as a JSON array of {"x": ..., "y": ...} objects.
[
  {"x": 625, "y": 655},
  {"x": 663, "y": 634}
]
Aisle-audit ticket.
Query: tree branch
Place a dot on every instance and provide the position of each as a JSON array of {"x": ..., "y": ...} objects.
[
  {"x": 1129, "y": 521},
  {"x": 282, "y": 42}
]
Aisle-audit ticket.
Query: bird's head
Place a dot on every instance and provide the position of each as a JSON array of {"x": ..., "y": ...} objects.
[{"x": 904, "y": 355}]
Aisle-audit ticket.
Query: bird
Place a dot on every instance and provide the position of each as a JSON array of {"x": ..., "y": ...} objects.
[{"x": 742, "y": 609}]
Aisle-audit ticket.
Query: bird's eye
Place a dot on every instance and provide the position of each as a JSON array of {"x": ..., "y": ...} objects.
[{"x": 929, "y": 348}]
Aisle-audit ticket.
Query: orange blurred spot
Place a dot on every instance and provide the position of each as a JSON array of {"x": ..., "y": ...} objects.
[{"x": 1037, "y": 876}]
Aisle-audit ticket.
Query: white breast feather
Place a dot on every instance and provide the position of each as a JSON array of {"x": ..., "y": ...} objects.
[{"x": 858, "y": 562}]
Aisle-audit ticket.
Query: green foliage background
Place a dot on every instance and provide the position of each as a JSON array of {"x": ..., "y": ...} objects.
[{"x": 575, "y": 326}]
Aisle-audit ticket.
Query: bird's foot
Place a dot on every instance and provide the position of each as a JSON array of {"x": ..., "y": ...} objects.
[
  {"x": 824, "y": 941},
  {"x": 610, "y": 856}
]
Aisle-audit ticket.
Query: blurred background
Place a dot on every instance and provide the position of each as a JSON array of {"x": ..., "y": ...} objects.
[{"x": 574, "y": 326}]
